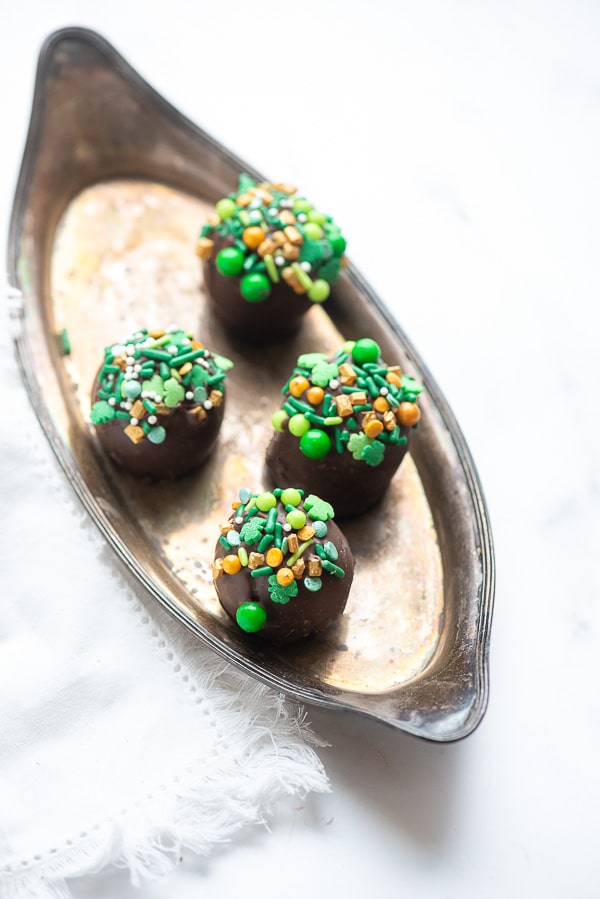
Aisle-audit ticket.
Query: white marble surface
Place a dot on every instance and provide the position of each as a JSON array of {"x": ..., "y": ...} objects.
[{"x": 471, "y": 131}]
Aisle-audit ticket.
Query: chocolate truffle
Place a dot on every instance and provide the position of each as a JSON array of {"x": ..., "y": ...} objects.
[
  {"x": 344, "y": 426},
  {"x": 268, "y": 256},
  {"x": 282, "y": 567},
  {"x": 158, "y": 401}
]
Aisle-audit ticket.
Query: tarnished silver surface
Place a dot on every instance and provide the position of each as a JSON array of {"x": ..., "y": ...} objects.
[{"x": 113, "y": 188}]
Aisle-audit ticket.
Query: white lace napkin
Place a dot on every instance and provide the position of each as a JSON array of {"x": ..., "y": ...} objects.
[{"x": 122, "y": 739}]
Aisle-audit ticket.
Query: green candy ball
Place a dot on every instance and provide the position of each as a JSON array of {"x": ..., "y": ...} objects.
[
  {"x": 279, "y": 419},
  {"x": 301, "y": 205},
  {"x": 338, "y": 244},
  {"x": 319, "y": 218},
  {"x": 296, "y": 519},
  {"x": 251, "y": 617},
  {"x": 225, "y": 208},
  {"x": 319, "y": 291},
  {"x": 131, "y": 389},
  {"x": 298, "y": 425},
  {"x": 315, "y": 444},
  {"x": 291, "y": 497},
  {"x": 255, "y": 287},
  {"x": 265, "y": 501},
  {"x": 313, "y": 231},
  {"x": 365, "y": 350},
  {"x": 230, "y": 262}
]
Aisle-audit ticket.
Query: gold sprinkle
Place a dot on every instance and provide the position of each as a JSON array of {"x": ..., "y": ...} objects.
[
  {"x": 306, "y": 533},
  {"x": 343, "y": 405},
  {"x": 204, "y": 247},
  {"x": 156, "y": 334},
  {"x": 217, "y": 568},
  {"x": 213, "y": 219},
  {"x": 256, "y": 560},
  {"x": 293, "y": 235},
  {"x": 292, "y": 543},
  {"x": 393, "y": 378},
  {"x": 285, "y": 187},
  {"x": 359, "y": 398},
  {"x": 244, "y": 200},
  {"x": 287, "y": 217},
  {"x": 289, "y": 276},
  {"x": 138, "y": 410},
  {"x": 389, "y": 420},
  {"x": 315, "y": 569},
  {"x": 373, "y": 428},
  {"x": 196, "y": 345},
  {"x": 266, "y": 248},
  {"x": 298, "y": 568},
  {"x": 135, "y": 433},
  {"x": 381, "y": 404},
  {"x": 225, "y": 528},
  {"x": 216, "y": 397},
  {"x": 347, "y": 375},
  {"x": 199, "y": 412},
  {"x": 121, "y": 361},
  {"x": 290, "y": 252},
  {"x": 278, "y": 237},
  {"x": 187, "y": 366},
  {"x": 161, "y": 409}
]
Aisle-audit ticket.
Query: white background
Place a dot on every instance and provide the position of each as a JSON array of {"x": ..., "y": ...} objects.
[{"x": 458, "y": 144}]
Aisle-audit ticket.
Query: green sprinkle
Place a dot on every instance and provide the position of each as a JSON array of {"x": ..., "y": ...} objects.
[
  {"x": 284, "y": 546},
  {"x": 65, "y": 342},
  {"x": 187, "y": 357},
  {"x": 346, "y": 389},
  {"x": 243, "y": 555},
  {"x": 214, "y": 379},
  {"x": 320, "y": 551},
  {"x": 146, "y": 428},
  {"x": 364, "y": 408},
  {"x": 259, "y": 572},
  {"x": 279, "y": 537},
  {"x": 265, "y": 542},
  {"x": 314, "y": 418},
  {"x": 301, "y": 275},
  {"x": 271, "y": 521},
  {"x": 244, "y": 219},
  {"x": 328, "y": 404},
  {"x": 333, "y": 420},
  {"x": 333, "y": 569},
  {"x": 124, "y": 415},
  {"x": 339, "y": 444},
  {"x": 299, "y": 405},
  {"x": 158, "y": 355},
  {"x": 225, "y": 543},
  {"x": 271, "y": 268},
  {"x": 313, "y": 584},
  {"x": 302, "y": 548}
]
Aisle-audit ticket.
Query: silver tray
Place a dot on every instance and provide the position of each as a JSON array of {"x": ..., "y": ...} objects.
[{"x": 113, "y": 187}]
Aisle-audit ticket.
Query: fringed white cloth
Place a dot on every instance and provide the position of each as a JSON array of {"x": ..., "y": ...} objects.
[{"x": 122, "y": 739}]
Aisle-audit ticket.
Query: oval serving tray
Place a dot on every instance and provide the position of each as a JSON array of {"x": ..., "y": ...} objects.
[{"x": 113, "y": 187}]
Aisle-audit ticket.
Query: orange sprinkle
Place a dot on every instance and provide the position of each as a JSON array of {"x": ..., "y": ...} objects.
[
  {"x": 298, "y": 385},
  {"x": 274, "y": 557},
  {"x": 231, "y": 564},
  {"x": 253, "y": 236},
  {"x": 373, "y": 428},
  {"x": 381, "y": 404},
  {"x": 235, "y": 505},
  {"x": 244, "y": 199},
  {"x": 285, "y": 576},
  {"x": 408, "y": 414},
  {"x": 196, "y": 345},
  {"x": 315, "y": 395},
  {"x": 393, "y": 378}
]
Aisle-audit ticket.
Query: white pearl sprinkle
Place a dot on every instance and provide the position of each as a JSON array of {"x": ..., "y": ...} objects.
[
  {"x": 130, "y": 360},
  {"x": 305, "y": 266},
  {"x": 334, "y": 383},
  {"x": 186, "y": 341},
  {"x": 279, "y": 260},
  {"x": 286, "y": 204},
  {"x": 207, "y": 404},
  {"x": 172, "y": 349},
  {"x": 117, "y": 349},
  {"x": 111, "y": 401},
  {"x": 137, "y": 367},
  {"x": 127, "y": 404},
  {"x": 302, "y": 217},
  {"x": 189, "y": 394},
  {"x": 239, "y": 520},
  {"x": 287, "y": 527},
  {"x": 272, "y": 211},
  {"x": 130, "y": 348},
  {"x": 134, "y": 421},
  {"x": 383, "y": 391},
  {"x": 152, "y": 419},
  {"x": 145, "y": 394}
]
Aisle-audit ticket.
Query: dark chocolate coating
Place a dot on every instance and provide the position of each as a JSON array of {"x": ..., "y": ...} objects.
[
  {"x": 280, "y": 315},
  {"x": 306, "y": 613},
  {"x": 350, "y": 485},
  {"x": 188, "y": 442}
]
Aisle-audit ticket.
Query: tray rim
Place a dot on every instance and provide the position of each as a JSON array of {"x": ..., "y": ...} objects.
[{"x": 74, "y": 476}]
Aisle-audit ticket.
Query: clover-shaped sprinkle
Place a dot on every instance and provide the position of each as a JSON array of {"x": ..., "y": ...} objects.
[
  {"x": 252, "y": 530},
  {"x": 155, "y": 385},
  {"x": 357, "y": 443},
  {"x": 102, "y": 412},
  {"x": 279, "y": 593},
  {"x": 373, "y": 453},
  {"x": 323, "y": 373},
  {"x": 318, "y": 509},
  {"x": 174, "y": 393},
  {"x": 309, "y": 360},
  {"x": 221, "y": 362},
  {"x": 199, "y": 375}
]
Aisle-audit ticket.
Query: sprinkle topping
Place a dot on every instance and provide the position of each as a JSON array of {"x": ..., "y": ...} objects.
[
  {"x": 352, "y": 403},
  {"x": 283, "y": 536},
  {"x": 150, "y": 374},
  {"x": 273, "y": 235}
]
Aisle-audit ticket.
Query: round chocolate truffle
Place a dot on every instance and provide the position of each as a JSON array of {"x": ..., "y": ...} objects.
[
  {"x": 268, "y": 256},
  {"x": 282, "y": 568},
  {"x": 158, "y": 401},
  {"x": 344, "y": 426}
]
